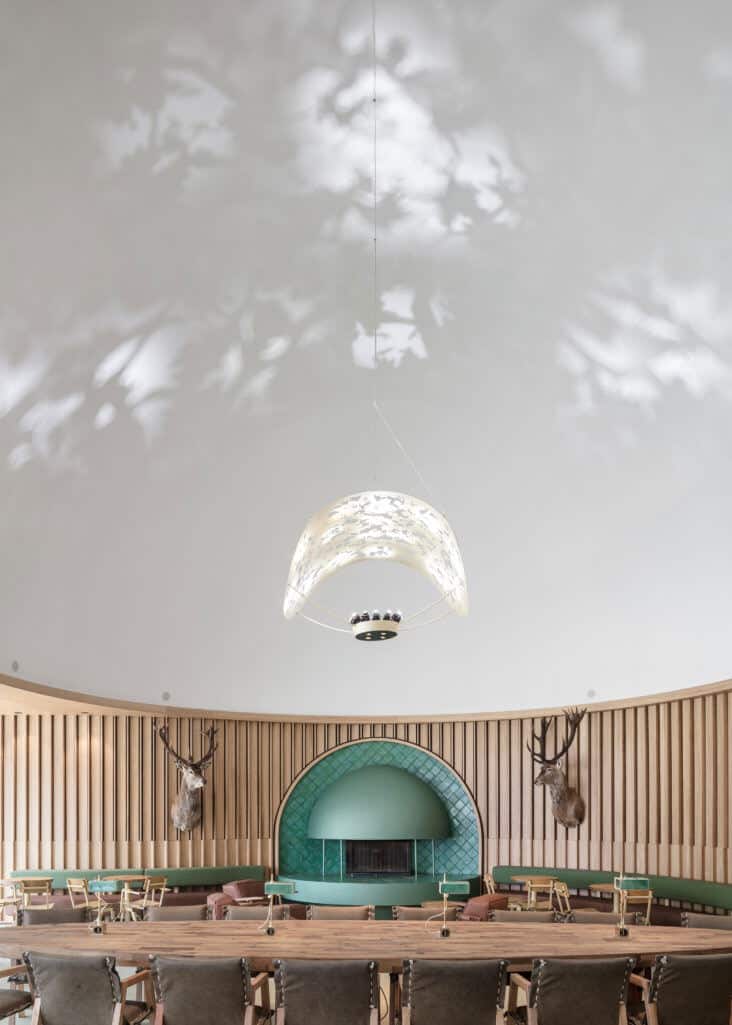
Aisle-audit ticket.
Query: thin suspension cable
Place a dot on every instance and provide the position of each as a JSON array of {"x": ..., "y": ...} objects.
[
  {"x": 326, "y": 626},
  {"x": 397, "y": 441},
  {"x": 373, "y": 183},
  {"x": 426, "y": 608}
]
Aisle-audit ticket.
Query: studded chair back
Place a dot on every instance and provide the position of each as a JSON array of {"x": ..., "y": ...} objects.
[
  {"x": 51, "y": 916},
  {"x": 693, "y": 989},
  {"x": 523, "y": 917},
  {"x": 458, "y": 992},
  {"x": 401, "y": 913},
  {"x": 80, "y": 988},
  {"x": 579, "y": 992},
  {"x": 195, "y": 990},
  {"x": 693, "y": 920},
  {"x": 177, "y": 913},
  {"x": 585, "y": 916},
  {"x": 326, "y": 992},
  {"x": 336, "y": 912},
  {"x": 256, "y": 913}
]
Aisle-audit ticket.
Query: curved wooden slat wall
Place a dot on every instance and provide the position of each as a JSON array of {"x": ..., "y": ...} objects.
[{"x": 91, "y": 789}]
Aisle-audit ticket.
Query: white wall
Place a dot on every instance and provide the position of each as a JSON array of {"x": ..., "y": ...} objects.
[{"x": 185, "y": 295}]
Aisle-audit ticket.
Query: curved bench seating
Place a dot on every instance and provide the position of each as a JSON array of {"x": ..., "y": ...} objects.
[{"x": 685, "y": 891}]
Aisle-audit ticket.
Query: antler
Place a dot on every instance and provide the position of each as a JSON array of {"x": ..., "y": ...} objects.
[
  {"x": 212, "y": 745},
  {"x": 540, "y": 738},
  {"x": 164, "y": 734},
  {"x": 574, "y": 717}
]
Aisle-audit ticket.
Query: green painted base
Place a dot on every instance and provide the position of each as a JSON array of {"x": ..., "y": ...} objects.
[{"x": 375, "y": 890}]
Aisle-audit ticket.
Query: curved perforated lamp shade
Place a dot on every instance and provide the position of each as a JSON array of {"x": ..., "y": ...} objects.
[
  {"x": 379, "y": 802},
  {"x": 377, "y": 525}
]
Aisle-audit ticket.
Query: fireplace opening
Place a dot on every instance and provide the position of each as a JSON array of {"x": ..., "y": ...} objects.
[{"x": 379, "y": 857}]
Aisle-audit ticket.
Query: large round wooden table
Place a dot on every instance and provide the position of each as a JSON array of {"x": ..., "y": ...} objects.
[{"x": 387, "y": 942}]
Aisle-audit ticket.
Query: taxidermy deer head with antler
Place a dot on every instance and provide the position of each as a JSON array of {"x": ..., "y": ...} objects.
[
  {"x": 185, "y": 810},
  {"x": 568, "y": 806}
]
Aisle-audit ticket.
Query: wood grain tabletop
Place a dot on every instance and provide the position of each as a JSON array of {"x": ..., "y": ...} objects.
[{"x": 387, "y": 942}]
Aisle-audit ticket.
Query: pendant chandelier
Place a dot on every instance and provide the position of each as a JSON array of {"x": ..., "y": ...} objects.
[{"x": 380, "y": 525}]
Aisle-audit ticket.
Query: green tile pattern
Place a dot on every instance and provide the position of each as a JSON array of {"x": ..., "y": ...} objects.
[{"x": 457, "y": 854}]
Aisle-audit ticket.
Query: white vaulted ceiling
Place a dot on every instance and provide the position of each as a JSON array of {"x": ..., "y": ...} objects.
[{"x": 187, "y": 372}]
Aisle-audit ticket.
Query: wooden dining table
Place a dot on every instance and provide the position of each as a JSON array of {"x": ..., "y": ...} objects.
[{"x": 387, "y": 942}]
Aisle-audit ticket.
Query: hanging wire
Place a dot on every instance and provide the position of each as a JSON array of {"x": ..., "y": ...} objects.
[{"x": 326, "y": 626}]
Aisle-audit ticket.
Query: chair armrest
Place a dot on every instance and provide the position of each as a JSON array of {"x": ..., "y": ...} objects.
[
  {"x": 640, "y": 981},
  {"x": 134, "y": 980},
  {"x": 14, "y": 969},
  {"x": 520, "y": 981},
  {"x": 259, "y": 980}
]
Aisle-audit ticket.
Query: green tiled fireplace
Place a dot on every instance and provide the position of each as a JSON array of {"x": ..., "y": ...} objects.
[{"x": 301, "y": 856}]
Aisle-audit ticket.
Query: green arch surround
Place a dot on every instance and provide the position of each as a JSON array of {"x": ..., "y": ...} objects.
[{"x": 457, "y": 854}]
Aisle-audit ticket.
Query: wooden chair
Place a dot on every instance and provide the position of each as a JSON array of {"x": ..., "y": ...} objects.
[
  {"x": 560, "y": 893},
  {"x": 458, "y": 992},
  {"x": 79, "y": 895},
  {"x": 85, "y": 989},
  {"x": 194, "y": 991},
  {"x": 489, "y": 883},
  {"x": 256, "y": 913},
  {"x": 574, "y": 992},
  {"x": 691, "y": 989},
  {"x": 326, "y": 992},
  {"x": 340, "y": 913},
  {"x": 692, "y": 920},
  {"x": 403, "y": 913},
  {"x": 14, "y": 1001},
  {"x": 151, "y": 896},
  {"x": 523, "y": 916},
  {"x": 177, "y": 913},
  {"x": 11, "y": 899}
]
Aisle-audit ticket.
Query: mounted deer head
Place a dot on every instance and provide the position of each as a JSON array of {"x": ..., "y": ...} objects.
[
  {"x": 185, "y": 810},
  {"x": 568, "y": 807}
]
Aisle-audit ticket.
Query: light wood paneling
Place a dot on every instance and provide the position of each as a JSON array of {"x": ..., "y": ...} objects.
[{"x": 92, "y": 789}]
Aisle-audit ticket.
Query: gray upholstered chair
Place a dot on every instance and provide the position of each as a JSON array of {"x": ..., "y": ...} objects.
[
  {"x": 575, "y": 992},
  {"x": 177, "y": 913},
  {"x": 403, "y": 913},
  {"x": 51, "y": 916},
  {"x": 194, "y": 991},
  {"x": 693, "y": 920},
  {"x": 13, "y": 1001},
  {"x": 693, "y": 989},
  {"x": 340, "y": 913},
  {"x": 590, "y": 917},
  {"x": 523, "y": 917},
  {"x": 459, "y": 992},
  {"x": 256, "y": 912},
  {"x": 326, "y": 992},
  {"x": 84, "y": 989}
]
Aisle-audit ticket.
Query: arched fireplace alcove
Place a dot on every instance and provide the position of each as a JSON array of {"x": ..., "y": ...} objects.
[{"x": 378, "y": 822}]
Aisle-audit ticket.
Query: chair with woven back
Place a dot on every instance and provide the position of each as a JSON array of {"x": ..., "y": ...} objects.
[
  {"x": 560, "y": 895},
  {"x": 566, "y": 992},
  {"x": 256, "y": 913},
  {"x": 694, "y": 989},
  {"x": 643, "y": 899},
  {"x": 523, "y": 917},
  {"x": 326, "y": 992},
  {"x": 405, "y": 913},
  {"x": 340, "y": 913},
  {"x": 193, "y": 991},
  {"x": 84, "y": 989},
  {"x": 695, "y": 920},
  {"x": 176, "y": 913},
  {"x": 458, "y": 992}
]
